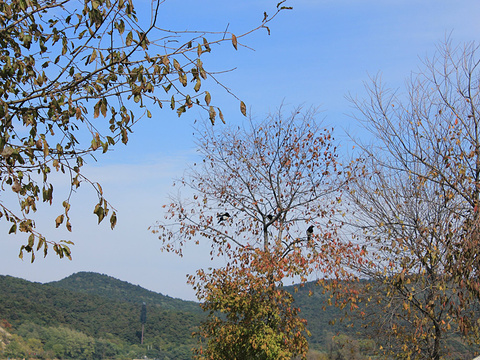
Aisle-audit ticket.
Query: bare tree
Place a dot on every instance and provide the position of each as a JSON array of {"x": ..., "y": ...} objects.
[
  {"x": 416, "y": 211},
  {"x": 260, "y": 187}
]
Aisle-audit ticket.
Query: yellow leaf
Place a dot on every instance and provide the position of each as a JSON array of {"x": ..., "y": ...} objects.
[{"x": 58, "y": 220}]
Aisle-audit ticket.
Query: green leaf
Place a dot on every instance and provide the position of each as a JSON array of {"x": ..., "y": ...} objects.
[
  {"x": 206, "y": 45},
  {"x": 176, "y": 65},
  {"x": 181, "y": 110},
  {"x": 124, "y": 135},
  {"x": 67, "y": 252},
  {"x": 31, "y": 241},
  {"x": 93, "y": 56},
  {"x": 182, "y": 77},
  {"x": 103, "y": 107},
  {"x": 129, "y": 39},
  {"x": 220, "y": 114},
  {"x": 120, "y": 27},
  {"x": 66, "y": 205},
  {"x": 94, "y": 144},
  {"x": 96, "y": 109},
  {"x": 41, "y": 241}
]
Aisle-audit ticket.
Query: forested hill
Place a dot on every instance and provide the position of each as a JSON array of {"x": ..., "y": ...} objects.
[
  {"x": 117, "y": 290},
  {"x": 42, "y": 311},
  {"x": 104, "y": 312}
]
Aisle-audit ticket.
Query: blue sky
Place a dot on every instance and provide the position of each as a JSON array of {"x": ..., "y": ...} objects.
[{"x": 316, "y": 54}]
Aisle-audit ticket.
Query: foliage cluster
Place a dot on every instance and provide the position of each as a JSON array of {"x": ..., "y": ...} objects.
[
  {"x": 412, "y": 196},
  {"x": 251, "y": 317},
  {"x": 75, "y": 79},
  {"x": 31, "y": 340}
]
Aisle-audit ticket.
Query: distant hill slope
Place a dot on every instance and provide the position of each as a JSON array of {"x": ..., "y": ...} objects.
[
  {"x": 98, "y": 316},
  {"x": 107, "y": 310},
  {"x": 98, "y": 304},
  {"x": 118, "y": 290}
]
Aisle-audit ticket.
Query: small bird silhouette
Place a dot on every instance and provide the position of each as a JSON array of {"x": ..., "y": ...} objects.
[
  {"x": 222, "y": 217},
  {"x": 309, "y": 232},
  {"x": 269, "y": 217}
]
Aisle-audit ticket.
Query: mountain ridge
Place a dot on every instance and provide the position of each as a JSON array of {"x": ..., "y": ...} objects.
[{"x": 120, "y": 290}]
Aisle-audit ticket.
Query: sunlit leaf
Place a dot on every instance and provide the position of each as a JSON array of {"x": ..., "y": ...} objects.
[{"x": 59, "y": 220}]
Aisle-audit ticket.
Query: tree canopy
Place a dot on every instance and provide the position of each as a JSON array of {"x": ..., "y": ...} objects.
[{"x": 75, "y": 79}]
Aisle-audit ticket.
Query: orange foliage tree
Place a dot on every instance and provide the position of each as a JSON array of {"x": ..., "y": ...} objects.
[{"x": 266, "y": 196}]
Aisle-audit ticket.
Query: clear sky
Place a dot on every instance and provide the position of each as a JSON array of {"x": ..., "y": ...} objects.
[{"x": 316, "y": 54}]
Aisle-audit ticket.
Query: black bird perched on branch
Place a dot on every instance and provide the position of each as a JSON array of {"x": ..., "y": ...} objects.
[
  {"x": 222, "y": 217},
  {"x": 309, "y": 232}
]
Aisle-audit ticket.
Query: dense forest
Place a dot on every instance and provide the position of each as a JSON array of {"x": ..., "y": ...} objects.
[
  {"x": 100, "y": 318},
  {"x": 94, "y": 316}
]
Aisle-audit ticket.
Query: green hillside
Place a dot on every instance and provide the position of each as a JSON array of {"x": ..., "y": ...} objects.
[
  {"x": 104, "y": 312},
  {"x": 319, "y": 321},
  {"x": 103, "y": 309},
  {"x": 94, "y": 316},
  {"x": 28, "y": 306}
]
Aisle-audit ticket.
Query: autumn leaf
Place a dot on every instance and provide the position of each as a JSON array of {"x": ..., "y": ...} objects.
[{"x": 243, "y": 108}]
